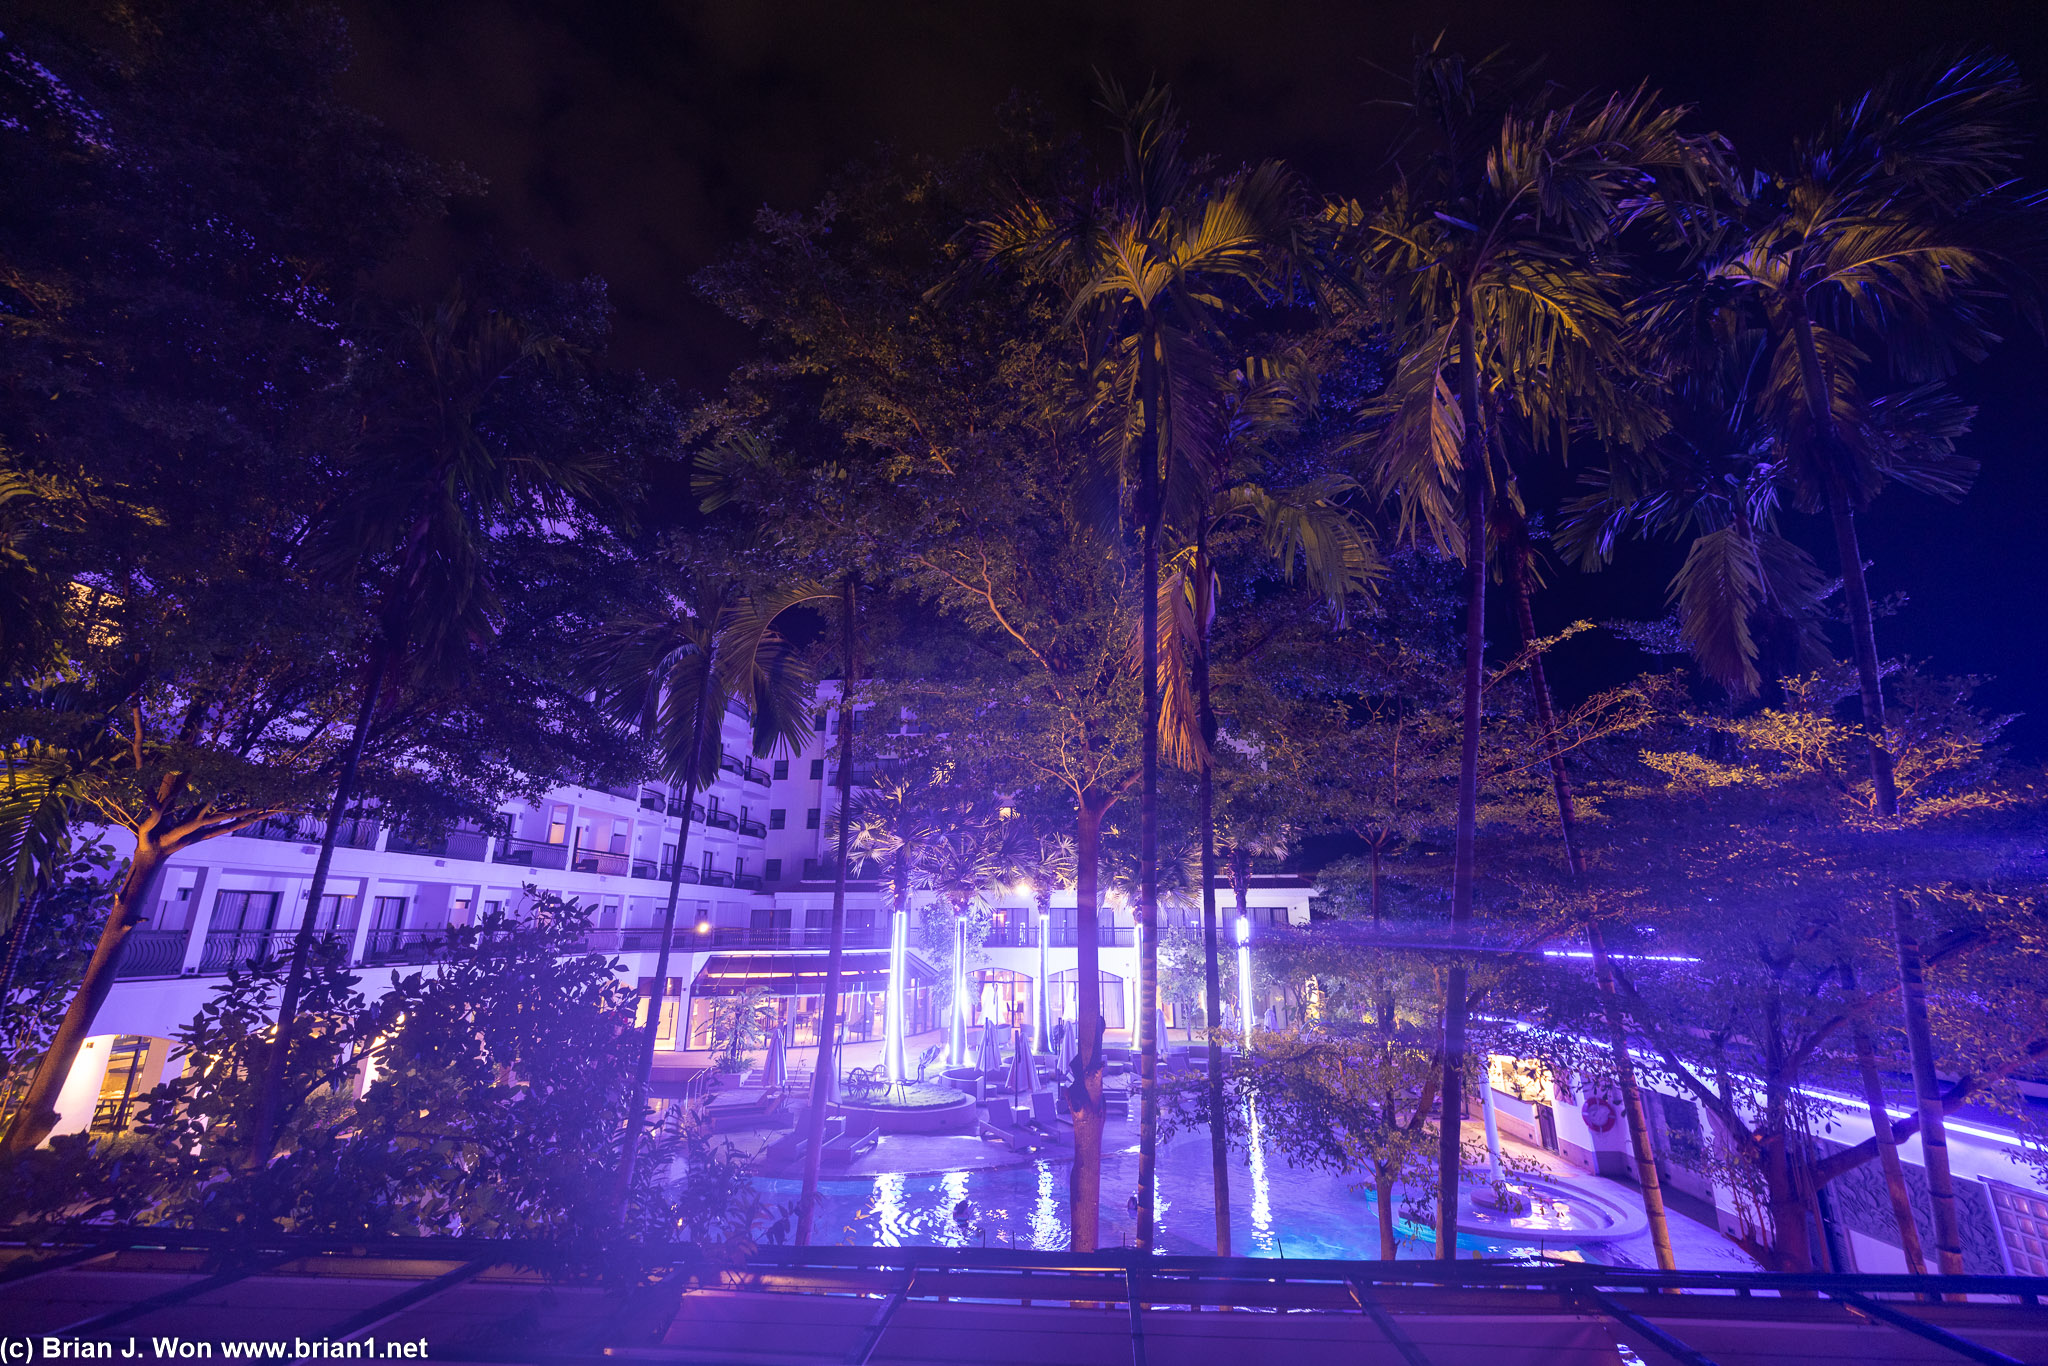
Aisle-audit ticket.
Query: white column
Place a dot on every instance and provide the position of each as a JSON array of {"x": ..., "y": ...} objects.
[
  {"x": 956, "y": 1035},
  {"x": 893, "y": 1025},
  {"x": 1044, "y": 1041},
  {"x": 198, "y": 921},
  {"x": 1244, "y": 976},
  {"x": 80, "y": 1094}
]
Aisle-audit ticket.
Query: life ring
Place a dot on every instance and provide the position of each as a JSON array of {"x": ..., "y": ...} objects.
[{"x": 1599, "y": 1114}]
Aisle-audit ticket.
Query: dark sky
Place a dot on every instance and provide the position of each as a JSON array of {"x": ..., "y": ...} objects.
[{"x": 633, "y": 140}]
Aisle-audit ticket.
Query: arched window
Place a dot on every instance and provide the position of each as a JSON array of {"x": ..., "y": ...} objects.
[
  {"x": 1000, "y": 994},
  {"x": 1062, "y": 995}
]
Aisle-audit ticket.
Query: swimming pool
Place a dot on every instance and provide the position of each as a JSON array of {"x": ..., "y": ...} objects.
[{"x": 1277, "y": 1210}]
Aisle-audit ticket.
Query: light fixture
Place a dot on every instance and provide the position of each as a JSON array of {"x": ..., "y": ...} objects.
[
  {"x": 1244, "y": 929},
  {"x": 1023, "y": 887}
]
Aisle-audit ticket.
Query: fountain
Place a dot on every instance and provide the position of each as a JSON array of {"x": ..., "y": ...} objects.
[{"x": 1546, "y": 1208}]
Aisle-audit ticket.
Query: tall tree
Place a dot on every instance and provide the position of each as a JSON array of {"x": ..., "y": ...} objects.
[
  {"x": 672, "y": 676},
  {"x": 1489, "y": 250},
  {"x": 464, "y": 423},
  {"x": 1155, "y": 265}
]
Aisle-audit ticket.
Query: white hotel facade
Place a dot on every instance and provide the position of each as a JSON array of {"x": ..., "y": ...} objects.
[{"x": 756, "y": 868}]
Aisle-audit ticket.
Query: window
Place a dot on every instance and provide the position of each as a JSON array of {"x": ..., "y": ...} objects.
[
  {"x": 811, "y": 819},
  {"x": 781, "y": 769},
  {"x": 777, "y": 817},
  {"x": 774, "y": 870},
  {"x": 330, "y": 912},
  {"x": 818, "y": 719},
  {"x": 817, "y": 768},
  {"x": 245, "y": 912},
  {"x": 390, "y": 914},
  {"x": 621, "y": 830},
  {"x": 558, "y": 825}
]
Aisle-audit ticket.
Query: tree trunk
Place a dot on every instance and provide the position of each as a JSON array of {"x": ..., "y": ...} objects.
[
  {"x": 277, "y": 1058},
  {"x": 1084, "y": 1093},
  {"x": 1884, "y": 788},
  {"x": 1148, "y": 814},
  {"x": 1383, "y": 1199},
  {"x": 1450, "y": 1155},
  {"x": 38, "y": 1113},
  {"x": 17, "y": 940},
  {"x": 1941, "y": 1187},
  {"x": 1789, "y": 1211},
  {"x": 643, "y": 1070},
  {"x": 1212, "y": 985},
  {"x": 827, "y": 1068},
  {"x": 1881, "y": 1131},
  {"x": 1603, "y": 969}
]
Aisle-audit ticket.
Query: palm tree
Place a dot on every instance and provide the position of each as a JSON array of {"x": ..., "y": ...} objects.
[
  {"x": 672, "y": 674},
  {"x": 1491, "y": 256},
  {"x": 893, "y": 827},
  {"x": 1887, "y": 238},
  {"x": 1154, "y": 267},
  {"x": 439, "y": 469}
]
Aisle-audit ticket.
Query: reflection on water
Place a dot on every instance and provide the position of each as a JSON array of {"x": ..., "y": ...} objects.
[{"x": 1262, "y": 1189}]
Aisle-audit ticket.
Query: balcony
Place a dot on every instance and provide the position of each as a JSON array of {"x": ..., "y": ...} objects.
[
  {"x": 1011, "y": 937},
  {"x": 153, "y": 953},
  {"x": 402, "y": 946},
  {"x": 722, "y": 820},
  {"x": 687, "y": 939},
  {"x": 357, "y": 833},
  {"x": 753, "y": 828},
  {"x": 757, "y": 776},
  {"x": 1106, "y": 936},
  {"x": 728, "y": 764},
  {"x": 655, "y": 802},
  {"x": 530, "y": 853},
  {"x": 715, "y": 877},
  {"x": 236, "y": 948},
  {"x": 599, "y": 861},
  {"x": 749, "y": 881},
  {"x": 459, "y": 844}
]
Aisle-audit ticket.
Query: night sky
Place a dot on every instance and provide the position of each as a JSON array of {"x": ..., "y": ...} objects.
[{"x": 635, "y": 140}]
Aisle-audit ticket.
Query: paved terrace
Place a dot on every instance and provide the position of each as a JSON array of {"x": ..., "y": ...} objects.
[{"x": 470, "y": 1301}]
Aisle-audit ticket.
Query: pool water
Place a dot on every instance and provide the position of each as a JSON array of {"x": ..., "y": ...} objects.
[{"x": 1277, "y": 1210}]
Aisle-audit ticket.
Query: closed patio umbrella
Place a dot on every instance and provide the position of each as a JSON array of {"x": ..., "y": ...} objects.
[
  {"x": 1023, "y": 1076},
  {"x": 775, "y": 1071},
  {"x": 989, "y": 1056},
  {"x": 1272, "y": 1017}
]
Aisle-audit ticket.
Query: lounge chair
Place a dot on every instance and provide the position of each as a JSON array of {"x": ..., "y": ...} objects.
[
  {"x": 790, "y": 1146},
  {"x": 840, "y": 1150},
  {"x": 1046, "y": 1116},
  {"x": 1001, "y": 1124}
]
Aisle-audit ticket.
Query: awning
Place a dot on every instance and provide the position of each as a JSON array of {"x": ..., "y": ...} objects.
[{"x": 801, "y": 974}]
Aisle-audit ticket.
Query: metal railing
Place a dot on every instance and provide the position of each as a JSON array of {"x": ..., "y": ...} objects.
[
  {"x": 753, "y": 828},
  {"x": 757, "y": 775},
  {"x": 153, "y": 953},
  {"x": 402, "y": 946},
  {"x": 1106, "y": 936},
  {"x": 715, "y": 877},
  {"x": 724, "y": 820},
  {"x": 226, "y": 949},
  {"x": 359, "y": 832},
  {"x": 750, "y": 881},
  {"x": 654, "y": 801},
  {"x": 731, "y": 765}
]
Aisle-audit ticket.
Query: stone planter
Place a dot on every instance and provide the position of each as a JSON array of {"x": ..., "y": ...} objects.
[{"x": 924, "y": 1119}]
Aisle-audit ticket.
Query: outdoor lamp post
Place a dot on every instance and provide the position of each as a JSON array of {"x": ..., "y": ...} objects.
[
  {"x": 1244, "y": 975},
  {"x": 956, "y": 1036},
  {"x": 894, "y": 1004}
]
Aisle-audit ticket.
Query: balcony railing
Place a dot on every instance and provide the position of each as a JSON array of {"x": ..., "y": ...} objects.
[
  {"x": 757, "y": 775},
  {"x": 1106, "y": 936},
  {"x": 225, "y": 949},
  {"x": 724, "y": 820},
  {"x": 686, "y": 938},
  {"x": 753, "y": 828},
  {"x": 530, "y": 853},
  {"x": 731, "y": 765},
  {"x": 863, "y": 776},
  {"x": 402, "y": 946},
  {"x": 462, "y": 844},
  {"x": 715, "y": 877},
  {"x": 654, "y": 801},
  {"x": 153, "y": 953},
  {"x": 1011, "y": 937},
  {"x": 356, "y": 833},
  {"x": 749, "y": 881}
]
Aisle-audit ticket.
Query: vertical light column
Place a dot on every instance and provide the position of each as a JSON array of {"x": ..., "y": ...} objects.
[
  {"x": 1044, "y": 1041},
  {"x": 1244, "y": 976},
  {"x": 893, "y": 1026},
  {"x": 956, "y": 1035}
]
